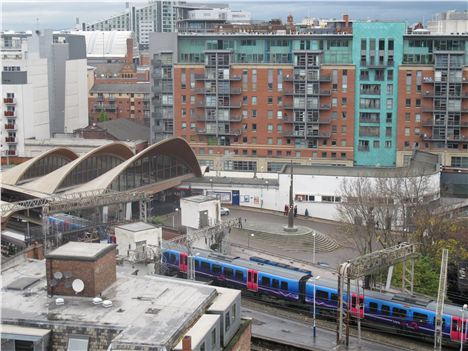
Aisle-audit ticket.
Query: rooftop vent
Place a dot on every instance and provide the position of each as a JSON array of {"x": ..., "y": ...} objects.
[
  {"x": 107, "y": 303},
  {"x": 59, "y": 301},
  {"x": 97, "y": 301}
]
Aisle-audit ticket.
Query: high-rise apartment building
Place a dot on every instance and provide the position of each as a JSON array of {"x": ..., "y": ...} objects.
[
  {"x": 44, "y": 87},
  {"x": 254, "y": 101},
  {"x": 156, "y": 16}
]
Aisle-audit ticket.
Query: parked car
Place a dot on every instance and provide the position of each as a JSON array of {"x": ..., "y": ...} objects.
[{"x": 225, "y": 211}]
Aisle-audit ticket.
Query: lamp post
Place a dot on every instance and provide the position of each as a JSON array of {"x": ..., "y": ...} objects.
[
  {"x": 248, "y": 239},
  {"x": 463, "y": 332},
  {"x": 173, "y": 217},
  {"x": 313, "y": 252},
  {"x": 314, "y": 329},
  {"x": 211, "y": 182}
]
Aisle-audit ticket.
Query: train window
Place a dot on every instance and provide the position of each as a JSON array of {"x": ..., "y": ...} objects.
[
  {"x": 454, "y": 325},
  {"x": 420, "y": 317},
  {"x": 384, "y": 309},
  {"x": 228, "y": 272},
  {"x": 399, "y": 312},
  {"x": 322, "y": 295},
  {"x": 205, "y": 266},
  {"x": 275, "y": 283},
  {"x": 216, "y": 268},
  {"x": 239, "y": 275},
  {"x": 334, "y": 297},
  {"x": 172, "y": 258},
  {"x": 284, "y": 285},
  {"x": 197, "y": 265},
  {"x": 353, "y": 301},
  {"x": 373, "y": 307},
  {"x": 265, "y": 281}
]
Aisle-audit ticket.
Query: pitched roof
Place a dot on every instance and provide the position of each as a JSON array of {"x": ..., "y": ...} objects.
[{"x": 123, "y": 129}]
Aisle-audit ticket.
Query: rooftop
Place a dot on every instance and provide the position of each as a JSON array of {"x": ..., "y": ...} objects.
[
  {"x": 80, "y": 251},
  {"x": 199, "y": 198},
  {"x": 136, "y": 227},
  {"x": 138, "y": 88},
  {"x": 139, "y": 303},
  {"x": 124, "y": 129}
]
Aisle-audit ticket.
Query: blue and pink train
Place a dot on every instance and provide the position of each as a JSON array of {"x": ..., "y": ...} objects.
[{"x": 400, "y": 312}]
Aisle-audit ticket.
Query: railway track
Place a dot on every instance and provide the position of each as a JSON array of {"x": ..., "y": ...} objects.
[{"x": 294, "y": 313}]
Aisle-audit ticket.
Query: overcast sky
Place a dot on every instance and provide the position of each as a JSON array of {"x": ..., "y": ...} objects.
[{"x": 60, "y": 14}]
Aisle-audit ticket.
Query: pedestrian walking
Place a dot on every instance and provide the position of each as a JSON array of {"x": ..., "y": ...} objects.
[
  {"x": 286, "y": 209},
  {"x": 295, "y": 211}
]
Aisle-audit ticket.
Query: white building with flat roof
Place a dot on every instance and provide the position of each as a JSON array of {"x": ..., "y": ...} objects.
[
  {"x": 44, "y": 87},
  {"x": 449, "y": 22}
]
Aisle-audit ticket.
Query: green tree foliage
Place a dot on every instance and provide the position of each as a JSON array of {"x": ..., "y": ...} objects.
[
  {"x": 426, "y": 276},
  {"x": 103, "y": 117}
]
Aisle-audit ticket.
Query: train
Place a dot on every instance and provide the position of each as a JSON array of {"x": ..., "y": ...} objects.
[{"x": 394, "y": 312}]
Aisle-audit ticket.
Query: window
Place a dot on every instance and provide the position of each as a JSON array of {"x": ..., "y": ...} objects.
[
  {"x": 373, "y": 307},
  {"x": 254, "y": 100},
  {"x": 385, "y": 310},
  {"x": 322, "y": 295},
  {"x": 254, "y": 113},
  {"x": 417, "y": 118},
  {"x": 344, "y": 101},
  {"x": 388, "y": 144},
  {"x": 227, "y": 321},
  {"x": 270, "y": 100},
  {"x": 213, "y": 338},
  {"x": 78, "y": 343},
  {"x": 270, "y": 128},
  {"x": 284, "y": 285},
  {"x": 254, "y": 126},
  {"x": 334, "y": 102},
  {"x": 275, "y": 283},
  {"x": 205, "y": 266},
  {"x": 279, "y": 114},
  {"x": 184, "y": 125},
  {"x": 418, "y": 102},
  {"x": 234, "y": 312},
  {"x": 265, "y": 281},
  {"x": 408, "y": 103},
  {"x": 399, "y": 312},
  {"x": 407, "y": 131},
  {"x": 245, "y": 100},
  {"x": 421, "y": 318},
  {"x": 376, "y": 144},
  {"x": 239, "y": 276},
  {"x": 269, "y": 141},
  {"x": 228, "y": 272}
]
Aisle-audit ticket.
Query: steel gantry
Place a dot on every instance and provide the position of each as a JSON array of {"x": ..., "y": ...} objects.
[
  {"x": 75, "y": 201},
  {"x": 362, "y": 266}
]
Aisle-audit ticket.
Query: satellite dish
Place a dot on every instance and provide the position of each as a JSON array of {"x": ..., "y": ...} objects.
[
  {"x": 78, "y": 286},
  {"x": 67, "y": 275},
  {"x": 58, "y": 275},
  {"x": 52, "y": 282}
]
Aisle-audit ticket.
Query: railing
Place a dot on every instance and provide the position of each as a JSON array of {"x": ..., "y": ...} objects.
[
  {"x": 10, "y": 139},
  {"x": 10, "y": 152},
  {"x": 10, "y": 126},
  {"x": 9, "y": 100},
  {"x": 9, "y": 113}
]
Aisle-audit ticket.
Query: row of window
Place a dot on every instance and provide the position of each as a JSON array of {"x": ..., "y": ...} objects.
[{"x": 314, "y": 198}]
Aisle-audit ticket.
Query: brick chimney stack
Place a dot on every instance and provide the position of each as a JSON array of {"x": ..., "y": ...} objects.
[
  {"x": 346, "y": 20},
  {"x": 129, "y": 56},
  {"x": 187, "y": 343}
]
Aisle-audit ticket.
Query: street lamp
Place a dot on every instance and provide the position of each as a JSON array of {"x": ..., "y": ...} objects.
[
  {"x": 248, "y": 239},
  {"x": 313, "y": 252},
  {"x": 266, "y": 182},
  {"x": 463, "y": 332},
  {"x": 173, "y": 217},
  {"x": 314, "y": 327},
  {"x": 211, "y": 182}
]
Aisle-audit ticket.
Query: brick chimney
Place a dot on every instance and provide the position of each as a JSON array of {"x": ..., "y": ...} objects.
[
  {"x": 187, "y": 343},
  {"x": 346, "y": 20},
  {"x": 129, "y": 56}
]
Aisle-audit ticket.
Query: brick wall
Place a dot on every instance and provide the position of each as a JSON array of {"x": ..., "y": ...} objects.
[
  {"x": 97, "y": 275},
  {"x": 241, "y": 341}
]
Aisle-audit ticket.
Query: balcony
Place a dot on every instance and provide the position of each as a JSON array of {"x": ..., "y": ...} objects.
[
  {"x": 232, "y": 119},
  {"x": 9, "y": 101},
  {"x": 204, "y": 131},
  {"x": 10, "y": 126},
  {"x": 10, "y": 139},
  {"x": 428, "y": 80},
  {"x": 301, "y": 78},
  {"x": 291, "y": 92},
  {"x": 9, "y": 113},
  {"x": 288, "y": 119},
  {"x": 10, "y": 152},
  {"x": 451, "y": 124},
  {"x": 304, "y": 134},
  {"x": 202, "y": 104},
  {"x": 203, "y": 76},
  {"x": 231, "y": 91}
]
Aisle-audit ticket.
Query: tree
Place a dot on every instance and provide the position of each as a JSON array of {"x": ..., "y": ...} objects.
[{"x": 103, "y": 116}]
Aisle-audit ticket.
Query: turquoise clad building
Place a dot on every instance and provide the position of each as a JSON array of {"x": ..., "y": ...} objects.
[{"x": 377, "y": 54}]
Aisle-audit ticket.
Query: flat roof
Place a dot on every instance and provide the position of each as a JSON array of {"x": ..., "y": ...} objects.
[
  {"x": 150, "y": 311},
  {"x": 80, "y": 251},
  {"x": 136, "y": 227},
  {"x": 199, "y": 198},
  {"x": 226, "y": 298},
  {"x": 200, "y": 329},
  {"x": 9, "y": 329}
]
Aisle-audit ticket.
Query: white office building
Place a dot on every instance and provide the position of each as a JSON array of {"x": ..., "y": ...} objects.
[
  {"x": 449, "y": 22},
  {"x": 44, "y": 87}
]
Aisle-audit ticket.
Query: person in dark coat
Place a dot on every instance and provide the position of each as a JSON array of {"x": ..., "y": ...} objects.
[
  {"x": 295, "y": 211},
  {"x": 286, "y": 209}
]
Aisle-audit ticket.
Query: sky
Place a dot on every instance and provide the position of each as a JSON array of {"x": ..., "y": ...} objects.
[{"x": 61, "y": 14}]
